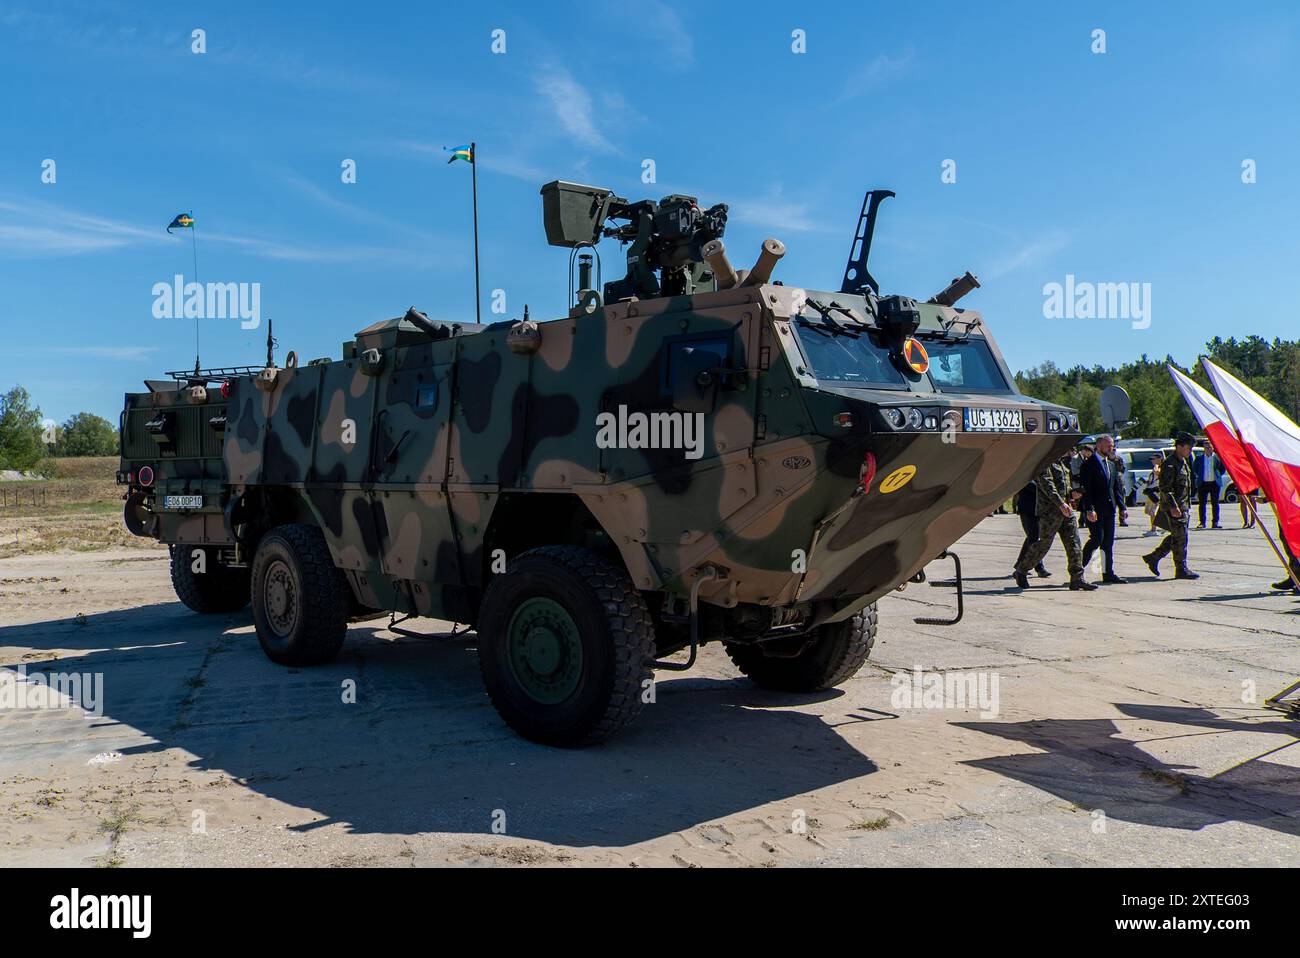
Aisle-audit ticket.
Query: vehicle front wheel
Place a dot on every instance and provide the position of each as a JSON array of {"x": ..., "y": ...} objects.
[
  {"x": 300, "y": 604},
  {"x": 204, "y": 584},
  {"x": 835, "y": 653},
  {"x": 565, "y": 641}
]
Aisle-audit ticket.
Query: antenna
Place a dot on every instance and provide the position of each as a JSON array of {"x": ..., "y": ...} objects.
[{"x": 857, "y": 279}]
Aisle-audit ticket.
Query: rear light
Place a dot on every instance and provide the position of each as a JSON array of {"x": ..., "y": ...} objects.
[
  {"x": 145, "y": 476},
  {"x": 866, "y": 474},
  {"x": 844, "y": 420},
  {"x": 225, "y": 389}
]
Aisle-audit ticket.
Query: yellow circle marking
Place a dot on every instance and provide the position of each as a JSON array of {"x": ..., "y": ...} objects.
[{"x": 898, "y": 479}]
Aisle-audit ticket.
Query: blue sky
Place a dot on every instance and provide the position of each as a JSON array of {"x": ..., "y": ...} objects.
[{"x": 1115, "y": 167}]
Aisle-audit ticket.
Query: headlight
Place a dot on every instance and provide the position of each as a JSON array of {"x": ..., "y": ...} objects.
[
  {"x": 894, "y": 416},
  {"x": 1053, "y": 422},
  {"x": 914, "y": 418}
]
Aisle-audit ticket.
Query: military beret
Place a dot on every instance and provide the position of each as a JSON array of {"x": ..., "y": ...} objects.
[{"x": 1185, "y": 439}]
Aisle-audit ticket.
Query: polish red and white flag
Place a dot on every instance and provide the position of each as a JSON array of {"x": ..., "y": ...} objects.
[
  {"x": 1209, "y": 412},
  {"x": 1272, "y": 444}
]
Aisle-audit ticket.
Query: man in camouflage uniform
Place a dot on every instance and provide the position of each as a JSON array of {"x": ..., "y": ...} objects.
[
  {"x": 1175, "y": 507},
  {"x": 1055, "y": 517}
]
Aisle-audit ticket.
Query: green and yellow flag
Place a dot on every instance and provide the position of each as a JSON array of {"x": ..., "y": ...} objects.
[
  {"x": 182, "y": 221},
  {"x": 465, "y": 153}
]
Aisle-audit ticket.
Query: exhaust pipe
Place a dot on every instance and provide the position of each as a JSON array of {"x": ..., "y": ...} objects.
[
  {"x": 955, "y": 290},
  {"x": 715, "y": 255},
  {"x": 773, "y": 250}
]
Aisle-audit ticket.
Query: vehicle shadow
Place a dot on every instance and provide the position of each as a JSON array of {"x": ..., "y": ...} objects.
[
  {"x": 420, "y": 748},
  {"x": 1084, "y": 761}
]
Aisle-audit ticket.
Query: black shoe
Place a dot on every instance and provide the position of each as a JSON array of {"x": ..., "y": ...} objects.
[
  {"x": 1153, "y": 563},
  {"x": 1186, "y": 574},
  {"x": 1040, "y": 570},
  {"x": 1216, "y": 526},
  {"x": 1201, "y": 526},
  {"x": 1078, "y": 584},
  {"x": 1112, "y": 579},
  {"x": 1022, "y": 580},
  {"x": 1286, "y": 585}
]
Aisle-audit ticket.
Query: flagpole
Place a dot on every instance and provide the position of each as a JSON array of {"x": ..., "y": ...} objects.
[
  {"x": 473, "y": 175},
  {"x": 194, "y": 244},
  {"x": 1250, "y": 504}
]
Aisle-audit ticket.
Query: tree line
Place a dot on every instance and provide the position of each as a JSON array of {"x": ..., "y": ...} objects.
[
  {"x": 1270, "y": 368},
  {"x": 26, "y": 440}
]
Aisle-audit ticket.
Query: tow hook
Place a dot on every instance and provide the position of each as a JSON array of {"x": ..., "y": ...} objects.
[{"x": 953, "y": 583}]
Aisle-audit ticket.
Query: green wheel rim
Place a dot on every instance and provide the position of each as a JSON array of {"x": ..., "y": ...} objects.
[{"x": 544, "y": 650}]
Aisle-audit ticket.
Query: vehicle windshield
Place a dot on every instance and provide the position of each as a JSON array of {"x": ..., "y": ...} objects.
[
  {"x": 846, "y": 354},
  {"x": 964, "y": 366}
]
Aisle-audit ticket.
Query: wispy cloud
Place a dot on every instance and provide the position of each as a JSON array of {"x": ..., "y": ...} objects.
[
  {"x": 41, "y": 229},
  {"x": 510, "y": 164},
  {"x": 45, "y": 229},
  {"x": 659, "y": 23},
  {"x": 876, "y": 73},
  {"x": 773, "y": 211},
  {"x": 121, "y": 353},
  {"x": 572, "y": 105},
  {"x": 1027, "y": 254}
]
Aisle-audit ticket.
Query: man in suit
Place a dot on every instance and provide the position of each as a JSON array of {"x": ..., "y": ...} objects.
[
  {"x": 1207, "y": 469},
  {"x": 1103, "y": 499}
]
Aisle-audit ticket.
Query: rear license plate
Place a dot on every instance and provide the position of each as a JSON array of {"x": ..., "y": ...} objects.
[
  {"x": 182, "y": 502},
  {"x": 994, "y": 420}
]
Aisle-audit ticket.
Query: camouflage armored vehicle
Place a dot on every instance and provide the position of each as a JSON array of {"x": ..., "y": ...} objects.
[{"x": 692, "y": 454}]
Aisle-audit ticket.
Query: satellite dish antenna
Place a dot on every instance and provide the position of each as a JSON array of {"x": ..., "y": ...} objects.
[{"x": 1115, "y": 407}]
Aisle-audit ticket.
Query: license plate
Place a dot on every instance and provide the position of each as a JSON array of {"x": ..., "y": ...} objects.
[
  {"x": 182, "y": 502},
  {"x": 994, "y": 420}
]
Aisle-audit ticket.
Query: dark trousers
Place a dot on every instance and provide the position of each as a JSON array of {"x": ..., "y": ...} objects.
[
  {"x": 1210, "y": 490},
  {"x": 1101, "y": 535},
  {"x": 1029, "y": 523}
]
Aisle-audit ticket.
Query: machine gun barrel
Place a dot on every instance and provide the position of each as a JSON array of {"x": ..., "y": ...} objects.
[{"x": 955, "y": 290}]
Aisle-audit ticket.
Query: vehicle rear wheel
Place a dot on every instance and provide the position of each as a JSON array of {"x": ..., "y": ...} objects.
[
  {"x": 565, "y": 641},
  {"x": 834, "y": 655},
  {"x": 204, "y": 584},
  {"x": 300, "y": 599}
]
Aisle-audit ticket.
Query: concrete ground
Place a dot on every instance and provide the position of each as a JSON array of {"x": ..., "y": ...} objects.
[{"x": 1127, "y": 730}]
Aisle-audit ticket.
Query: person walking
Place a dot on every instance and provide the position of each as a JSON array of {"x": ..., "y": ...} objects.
[
  {"x": 1207, "y": 469},
  {"x": 1244, "y": 501},
  {"x": 1027, "y": 510},
  {"x": 1151, "y": 493},
  {"x": 1103, "y": 500},
  {"x": 1175, "y": 509},
  {"x": 1055, "y": 517}
]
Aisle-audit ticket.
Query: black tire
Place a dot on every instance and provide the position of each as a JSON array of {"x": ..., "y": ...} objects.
[
  {"x": 300, "y": 599},
  {"x": 834, "y": 656},
  {"x": 613, "y": 631},
  {"x": 216, "y": 589}
]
